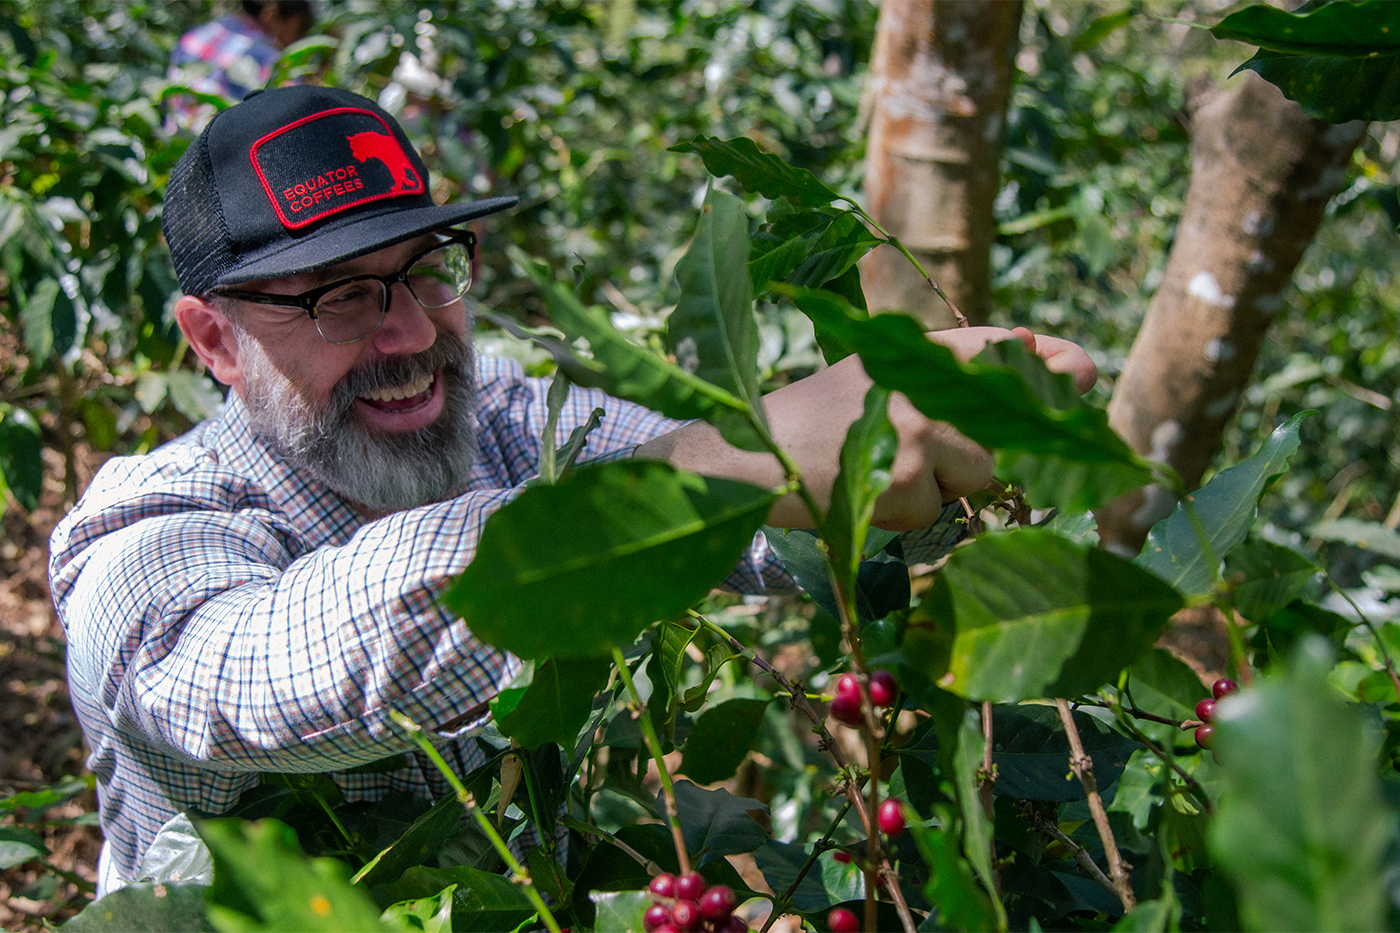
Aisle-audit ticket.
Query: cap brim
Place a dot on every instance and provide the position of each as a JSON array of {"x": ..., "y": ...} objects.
[{"x": 334, "y": 244}]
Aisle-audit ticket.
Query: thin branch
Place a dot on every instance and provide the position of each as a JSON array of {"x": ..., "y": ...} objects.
[
  {"x": 668, "y": 790},
  {"x": 653, "y": 868},
  {"x": 1083, "y": 767},
  {"x": 1081, "y": 854}
]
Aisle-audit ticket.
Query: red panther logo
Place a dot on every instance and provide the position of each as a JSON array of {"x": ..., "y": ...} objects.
[{"x": 371, "y": 145}]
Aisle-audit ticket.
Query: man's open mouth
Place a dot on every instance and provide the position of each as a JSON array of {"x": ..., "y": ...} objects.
[{"x": 401, "y": 398}]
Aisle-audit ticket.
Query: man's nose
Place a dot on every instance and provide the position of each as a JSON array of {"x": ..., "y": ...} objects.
[{"x": 407, "y": 328}]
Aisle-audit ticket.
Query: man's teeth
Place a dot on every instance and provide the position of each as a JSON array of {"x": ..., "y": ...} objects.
[{"x": 395, "y": 393}]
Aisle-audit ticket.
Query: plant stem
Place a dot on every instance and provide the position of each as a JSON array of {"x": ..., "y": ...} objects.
[
  {"x": 518, "y": 873},
  {"x": 828, "y": 742},
  {"x": 668, "y": 790},
  {"x": 1167, "y": 758},
  {"x": 652, "y": 868},
  {"x": 895, "y": 242},
  {"x": 1083, "y": 767},
  {"x": 1081, "y": 855}
]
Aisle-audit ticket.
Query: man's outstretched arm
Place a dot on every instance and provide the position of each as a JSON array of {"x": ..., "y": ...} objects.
[{"x": 809, "y": 419}]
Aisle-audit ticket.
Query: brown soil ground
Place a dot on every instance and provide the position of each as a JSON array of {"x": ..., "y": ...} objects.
[{"x": 42, "y": 743}]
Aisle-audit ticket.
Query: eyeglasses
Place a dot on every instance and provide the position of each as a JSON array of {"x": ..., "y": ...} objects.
[{"x": 352, "y": 309}]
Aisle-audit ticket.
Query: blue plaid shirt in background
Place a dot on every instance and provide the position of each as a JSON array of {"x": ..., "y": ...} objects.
[
  {"x": 227, "y": 615},
  {"x": 227, "y": 57}
]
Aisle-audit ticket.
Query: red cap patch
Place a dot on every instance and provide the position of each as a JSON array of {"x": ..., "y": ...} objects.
[{"x": 350, "y": 157}]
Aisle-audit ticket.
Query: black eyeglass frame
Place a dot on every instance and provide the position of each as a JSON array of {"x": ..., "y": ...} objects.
[{"x": 307, "y": 300}]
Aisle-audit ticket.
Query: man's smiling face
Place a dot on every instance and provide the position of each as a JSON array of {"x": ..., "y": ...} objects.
[{"x": 388, "y": 421}]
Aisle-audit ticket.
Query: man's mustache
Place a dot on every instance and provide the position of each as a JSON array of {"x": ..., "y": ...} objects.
[{"x": 451, "y": 356}]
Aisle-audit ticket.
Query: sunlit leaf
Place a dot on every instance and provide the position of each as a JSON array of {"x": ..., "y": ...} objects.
[
  {"x": 574, "y": 569},
  {"x": 1226, "y": 507},
  {"x": 1030, "y": 614},
  {"x": 758, "y": 171},
  {"x": 1301, "y": 825},
  {"x": 556, "y": 703}
]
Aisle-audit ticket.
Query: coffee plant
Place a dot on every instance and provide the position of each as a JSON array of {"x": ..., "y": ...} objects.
[
  {"x": 980, "y": 734},
  {"x": 964, "y": 728}
]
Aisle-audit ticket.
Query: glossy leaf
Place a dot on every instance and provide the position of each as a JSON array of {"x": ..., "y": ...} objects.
[
  {"x": 713, "y": 332},
  {"x": 555, "y": 705},
  {"x": 994, "y": 404},
  {"x": 574, "y": 569},
  {"x": 1086, "y": 616},
  {"x": 482, "y": 901},
  {"x": 1352, "y": 29},
  {"x": 952, "y": 888},
  {"x": 828, "y": 882},
  {"x": 758, "y": 171},
  {"x": 716, "y": 823},
  {"x": 1032, "y": 753},
  {"x": 417, "y": 846},
  {"x": 1265, "y": 577},
  {"x": 262, "y": 881},
  {"x": 19, "y": 845},
  {"x": 148, "y": 907},
  {"x": 809, "y": 248},
  {"x": 1226, "y": 507},
  {"x": 722, "y": 738},
  {"x": 622, "y": 911},
  {"x": 1301, "y": 826},
  {"x": 866, "y": 457},
  {"x": 622, "y": 368},
  {"x": 21, "y": 460}
]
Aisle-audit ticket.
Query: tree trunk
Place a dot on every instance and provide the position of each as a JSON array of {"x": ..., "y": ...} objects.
[
  {"x": 940, "y": 79},
  {"x": 1262, "y": 173}
]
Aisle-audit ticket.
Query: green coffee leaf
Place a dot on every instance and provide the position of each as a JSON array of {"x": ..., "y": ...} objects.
[
  {"x": 1265, "y": 577},
  {"x": 21, "y": 460},
  {"x": 1301, "y": 826},
  {"x": 263, "y": 881},
  {"x": 1359, "y": 533},
  {"x": 1226, "y": 507},
  {"x": 1339, "y": 61},
  {"x": 722, "y": 738},
  {"x": 18, "y": 846},
  {"x": 716, "y": 823},
  {"x": 482, "y": 901},
  {"x": 417, "y": 846},
  {"x": 1089, "y": 615},
  {"x": 556, "y": 703},
  {"x": 1032, "y": 753},
  {"x": 866, "y": 456},
  {"x": 574, "y": 569},
  {"x": 758, "y": 171},
  {"x": 622, "y": 911},
  {"x": 829, "y": 882},
  {"x": 713, "y": 332},
  {"x": 150, "y": 908}
]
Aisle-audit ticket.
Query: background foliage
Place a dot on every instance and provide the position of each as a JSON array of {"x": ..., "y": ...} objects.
[{"x": 575, "y": 107}]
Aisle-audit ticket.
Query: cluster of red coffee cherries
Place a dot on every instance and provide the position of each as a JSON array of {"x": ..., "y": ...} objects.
[
  {"x": 845, "y": 706},
  {"x": 684, "y": 904},
  {"x": 1205, "y": 711}
]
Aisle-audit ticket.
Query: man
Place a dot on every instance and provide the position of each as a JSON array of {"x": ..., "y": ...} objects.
[
  {"x": 260, "y": 594},
  {"x": 232, "y": 55}
]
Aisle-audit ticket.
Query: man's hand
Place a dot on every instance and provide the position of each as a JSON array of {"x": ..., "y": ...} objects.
[{"x": 809, "y": 418}]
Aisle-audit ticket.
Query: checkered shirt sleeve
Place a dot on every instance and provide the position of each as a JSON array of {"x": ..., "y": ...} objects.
[{"x": 227, "y": 616}]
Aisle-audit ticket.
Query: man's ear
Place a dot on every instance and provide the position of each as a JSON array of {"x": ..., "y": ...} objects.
[{"x": 212, "y": 337}]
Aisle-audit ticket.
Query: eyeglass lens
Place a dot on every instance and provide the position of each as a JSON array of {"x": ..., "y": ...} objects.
[{"x": 357, "y": 308}]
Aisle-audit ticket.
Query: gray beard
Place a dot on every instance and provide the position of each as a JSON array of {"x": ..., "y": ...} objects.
[{"x": 384, "y": 473}]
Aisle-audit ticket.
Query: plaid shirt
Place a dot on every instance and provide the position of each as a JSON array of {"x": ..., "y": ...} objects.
[
  {"x": 227, "y": 615},
  {"x": 227, "y": 57}
]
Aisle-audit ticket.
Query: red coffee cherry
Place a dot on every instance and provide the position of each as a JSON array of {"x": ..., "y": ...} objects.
[
  {"x": 1224, "y": 687},
  {"x": 1205, "y": 709},
  {"x": 841, "y": 920},
  {"x": 847, "y": 685},
  {"x": 842, "y": 856},
  {"x": 883, "y": 688},
  {"x": 891, "y": 817},
  {"x": 656, "y": 916},
  {"x": 663, "y": 885},
  {"x": 690, "y": 886},
  {"x": 735, "y": 924},
  {"x": 845, "y": 708},
  {"x": 1205, "y": 735},
  {"x": 718, "y": 903},
  {"x": 685, "y": 915}
]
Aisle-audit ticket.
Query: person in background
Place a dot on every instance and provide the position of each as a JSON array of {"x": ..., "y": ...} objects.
[{"x": 232, "y": 55}]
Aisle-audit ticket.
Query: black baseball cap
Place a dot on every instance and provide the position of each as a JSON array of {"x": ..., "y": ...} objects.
[{"x": 294, "y": 179}]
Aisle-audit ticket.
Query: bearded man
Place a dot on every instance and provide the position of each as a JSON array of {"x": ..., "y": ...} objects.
[{"x": 262, "y": 594}]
